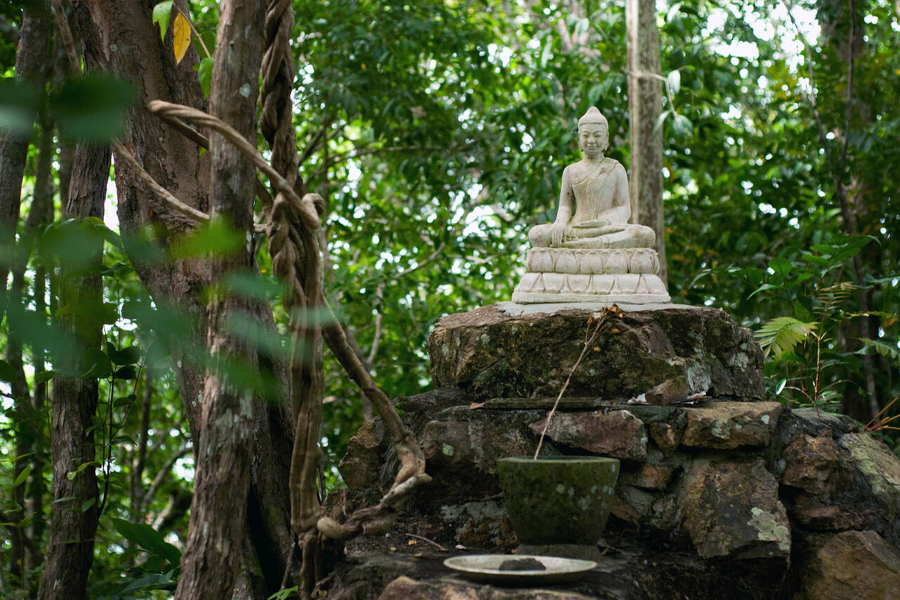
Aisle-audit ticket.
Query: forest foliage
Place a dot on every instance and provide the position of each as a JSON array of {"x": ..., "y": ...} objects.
[{"x": 436, "y": 132}]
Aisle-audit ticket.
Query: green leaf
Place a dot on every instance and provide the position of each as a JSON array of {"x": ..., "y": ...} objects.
[
  {"x": 802, "y": 312},
  {"x": 92, "y": 108},
  {"x": 780, "y": 387},
  {"x": 212, "y": 238},
  {"x": 44, "y": 376},
  {"x": 95, "y": 364},
  {"x": 91, "y": 463},
  {"x": 149, "y": 539},
  {"x": 18, "y": 106},
  {"x": 109, "y": 235},
  {"x": 284, "y": 594},
  {"x": 126, "y": 356},
  {"x": 660, "y": 120},
  {"x": 783, "y": 334},
  {"x": 87, "y": 504},
  {"x": 162, "y": 14},
  {"x": 7, "y": 372},
  {"x": 22, "y": 476},
  {"x": 682, "y": 126},
  {"x": 891, "y": 351},
  {"x": 792, "y": 357},
  {"x": 674, "y": 79},
  {"x": 763, "y": 288},
  {"x": 780, "y": 265},
  {"x": 204, "y": 72},
  {"x": 249, "y": 285},
  {"x": 824, "y": 249},
  {"x": 154, "y": 581},
  {"x": 128, "y": 373},
  {"x": 129, "y": 399},
  {"x": 816, "y": 260}
]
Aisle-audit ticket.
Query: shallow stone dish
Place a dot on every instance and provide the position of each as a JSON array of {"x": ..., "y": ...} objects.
[{"x": 485, "y": 568}]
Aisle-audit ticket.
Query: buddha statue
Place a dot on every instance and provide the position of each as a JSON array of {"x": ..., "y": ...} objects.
[
  {"x": 596, "y": 188},
  {"x": 591, "y": 252}
]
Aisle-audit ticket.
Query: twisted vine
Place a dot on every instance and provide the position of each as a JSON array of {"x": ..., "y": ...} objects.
[
  {"x": 294, "y": 247},
  {"x": 293, "y": 220}
]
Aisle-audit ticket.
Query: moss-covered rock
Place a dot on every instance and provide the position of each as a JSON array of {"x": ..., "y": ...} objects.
[
  {"x": 852, "y": 565},
  {"x": 726, "y": 425},
  {"x": 617, "y": 434},
  {"x": 491, "y": 354},
  {"x": 730, "y": 508}
]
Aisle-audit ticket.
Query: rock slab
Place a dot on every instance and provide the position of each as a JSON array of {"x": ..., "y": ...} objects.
[
  {"x": 852, "y": 565},
  {"x": 491, "y": 354},
  {"x": 730, "y": 508}
]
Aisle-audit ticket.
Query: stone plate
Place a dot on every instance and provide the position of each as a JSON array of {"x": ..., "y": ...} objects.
[{"x": 485, "y": 568}]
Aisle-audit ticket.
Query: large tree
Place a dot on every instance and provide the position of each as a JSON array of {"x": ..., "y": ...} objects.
[{"x": 432, "y": 134}]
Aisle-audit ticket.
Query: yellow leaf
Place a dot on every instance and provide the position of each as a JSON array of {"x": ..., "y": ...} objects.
[{"x": 182, "y": 37}]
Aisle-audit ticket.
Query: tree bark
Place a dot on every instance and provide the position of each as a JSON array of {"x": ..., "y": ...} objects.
[
  {"x": 172, "y": 160},
  {"x": 25, "y": 435},
  {"x": 33, "y": 62},
  {"x": 843, "y": 34},
  {"x": 140, "y": 461},
  {"x": 645, "y": 106},
  {"x": 29, "y": 494},
  {"x": 40, "y": 215},
  {"x": 176, "y": 163},
  {"x": 74, "y": 522},
  {"x": 221, "y": 486}
]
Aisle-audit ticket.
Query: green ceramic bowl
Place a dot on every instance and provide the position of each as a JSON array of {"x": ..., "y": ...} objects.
[{"x": 558, "y": 499}]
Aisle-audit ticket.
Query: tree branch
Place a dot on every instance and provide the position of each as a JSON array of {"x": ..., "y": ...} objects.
[{"x": 160, "y": 477}]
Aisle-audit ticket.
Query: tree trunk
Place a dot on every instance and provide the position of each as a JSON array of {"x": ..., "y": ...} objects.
[
  {"x": 25, "y": 435},
  {"x": 221, "y": 485},
  {"x": 176, "y": 163},
  {"x": 74, "y": 522},
  {"x": 32, "y": 67},
  {"x": 29, "y": 494},
  {"x": 843, "y": 35},
  {"x": 32, "y": 60},
  {"x": 40, "y": 215},
  {"x": 645, "y": 106}
]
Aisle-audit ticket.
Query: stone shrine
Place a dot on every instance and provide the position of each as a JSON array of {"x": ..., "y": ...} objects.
[
  {"x": 591, "y": 253},
  {"x": 722, "y": 492}
]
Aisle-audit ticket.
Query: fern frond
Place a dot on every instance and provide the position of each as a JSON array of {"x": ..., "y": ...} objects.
[{"x": 783, "y": 334}]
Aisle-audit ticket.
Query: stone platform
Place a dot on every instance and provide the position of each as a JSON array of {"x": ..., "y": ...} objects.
[
  {"x": 726, "y": 496},
  {"x": 576, "y": 275},
  {"x": 509, "y": 351},
  {"x": 742, "y": 499}
]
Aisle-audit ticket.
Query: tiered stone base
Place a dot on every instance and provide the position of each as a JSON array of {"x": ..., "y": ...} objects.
[{"x": 565, "y": 275}]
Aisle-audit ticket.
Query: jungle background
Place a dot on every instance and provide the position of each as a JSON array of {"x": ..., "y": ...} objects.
[{"x": 436, "y": 133}]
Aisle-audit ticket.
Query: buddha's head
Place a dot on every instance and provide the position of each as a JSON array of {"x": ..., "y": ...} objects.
[{"x": 593, "y": 133}]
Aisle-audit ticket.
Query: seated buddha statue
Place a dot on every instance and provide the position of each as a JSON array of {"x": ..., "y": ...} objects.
[{"x": 596, "y": 190}]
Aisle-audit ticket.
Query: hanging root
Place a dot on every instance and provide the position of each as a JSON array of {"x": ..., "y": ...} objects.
[{"x": 374, "y": 519}]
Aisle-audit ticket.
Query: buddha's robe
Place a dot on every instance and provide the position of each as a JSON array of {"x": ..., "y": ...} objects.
[{"x": 602, "y": 209}]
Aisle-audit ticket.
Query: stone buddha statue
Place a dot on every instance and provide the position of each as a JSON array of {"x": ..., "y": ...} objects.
[
  {"x": 594, "y": 254},
  {"x": 597, "y": 189}
]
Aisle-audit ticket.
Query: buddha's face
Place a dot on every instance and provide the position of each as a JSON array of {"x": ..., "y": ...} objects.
[{"x": 593, "y": 139}]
